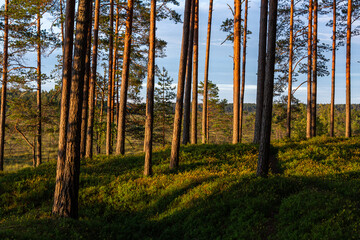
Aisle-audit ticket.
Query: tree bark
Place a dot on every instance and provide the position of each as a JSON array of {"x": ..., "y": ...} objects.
[
  {"x": 314, "y": 65},
  {"x": 264, "y": 148},
  {"x": 38, "y": 92},
  {"x": 291, "y": 53},
  {"x": 110, "y": 86},
  {"x": 194, "y": 108},
  {"x": 206, "y": 78},
  {"x": 175, "y": 146},
  {"x": 114, "y": 65},
  {"x": 348, "y": 72},
  {"x": 261, "y": 70},
  {"x": 4, "y": 85},
  {"x": 65, "y": 96},
  {"x": 120, "y": 145},
  {"x": 243, "y": 72},
  {"x": 187, "y": 100},
  {"x": 332, "y": 107},
  {"x": 87, "y": 79},
  {"x": 91, "y": 113},
  {"x": 67, "y": 201},
  {"x": 150, "y": 93},
  {"x": 309, "y": 67},
  {"x": 237, "y": 49}
]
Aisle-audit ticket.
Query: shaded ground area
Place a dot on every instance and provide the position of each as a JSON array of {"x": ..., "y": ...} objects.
[{"x": 214, "y": 195}]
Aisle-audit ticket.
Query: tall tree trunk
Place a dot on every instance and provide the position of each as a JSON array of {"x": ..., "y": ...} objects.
[
  {"x": 38, "y": 92},
  {"x": 175, "y": 146},
  {"x": 4, "y": 85},
  {"x": 87, "y": 79},
  {"x": 206, "y": 78},
  {"x": 291, "y": 53},
  {"x": 187, "y": 100},
  {"x": 65, "y": 96},
  {"x": 332, "y": 108},
  {"x": 264, "y": 148},
  {"x": 62, "y": 27},
  {"x": 67, "y": 201},
  {"x": 120, "y": 145},
  {"x": 261, "y": 70},
  {"x": 314, "y": 82},
  {"x": 237, "y": 50},
  {"x": 110, "y": 86},
  {"x": 243, "y": 72},
  {"x": 92, "y": 102},
  {"x": 194, "y": 108},
  {"x": 309, "y": 67},
  {"x": 114, "y": 62},
  {"x": 150, "y": 93},
  {"x": 348, "y": 72},
  {"x": 164, "y": 114}
]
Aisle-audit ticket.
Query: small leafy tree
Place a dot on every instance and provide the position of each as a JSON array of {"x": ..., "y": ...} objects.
[{"x": 164, "y": 95}]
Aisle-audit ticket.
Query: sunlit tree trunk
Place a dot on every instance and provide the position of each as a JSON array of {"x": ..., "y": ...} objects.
[
  {"x": 206, "y": 78},
  {"x": 291, "y": 46},
  {"x": 65, "y": 96},
  {"x": 4, "y": 84},
  {"x": 120, "y": 145},
  {"x": 237, "y": 49},
  {"x": 309, "y": 68},
  {"x": 87, "y": 79},
  {"x": 38, "y": 91},
  {"x": 114, "y": 65},
  {"x": 332, "y": 108},
  {"x": 348, "y": 72},
  {"x": 187, "y": 99},
  {"x": 92, "y": 88},
  {"x": 264, "y": 148},
  {"x": 68, "y": 191},
  {"x": 314, "y": 65},
  {"x": 175, "y": 145},
  {"x": 150, "y": 93},
  {"x": 243, "y": 72},
  {"x": 194, "y": 108},
  {"x": 261, "y": 70},
  {"x": 110, "y": 86}
]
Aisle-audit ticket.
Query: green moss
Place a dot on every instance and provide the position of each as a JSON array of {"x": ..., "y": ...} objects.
[{"x": 213, "y": 195}]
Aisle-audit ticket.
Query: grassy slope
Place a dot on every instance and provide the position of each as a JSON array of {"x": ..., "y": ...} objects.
[{"x": 214, "y": 194}]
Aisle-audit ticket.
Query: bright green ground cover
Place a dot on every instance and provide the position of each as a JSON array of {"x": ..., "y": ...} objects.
[{"x": 214, "y": 195}]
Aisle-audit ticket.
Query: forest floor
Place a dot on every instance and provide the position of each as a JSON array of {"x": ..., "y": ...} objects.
[{"x": 213, "y": 195}]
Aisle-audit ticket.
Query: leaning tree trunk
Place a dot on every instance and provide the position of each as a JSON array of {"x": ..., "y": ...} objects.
[
  {"x": 348, "y": 71},
  {"x": 85, "y": 107},
  {"x": 4, "y": 85},
  {"x": 150, "y": 93},
  {"x": 264, "y": 148},
  {"x": 38, "y": 92},
  {"x": 187, "y": 100},
  {"x": 243, "y": 72},
  {"x": 175, "y": 145},
  {"x": 68, "y": 191},
  {"x": 261, "y": 70},
  {"x": 314, "y": 82},
  {"x": 332, "y": 108},
  {"x": 91, "y": 113},
  {"x": 237, "y": 49},
  {"x": 110, "y": 86},
  {"x": 308, "y": 107},
  {"x": 65, "y": 96},
  {"x": 291, "y": 53},
  {"x": 194, "y": 107},
  {"x": 206, "y": 78},
  {"x": 120, "y": 145}
]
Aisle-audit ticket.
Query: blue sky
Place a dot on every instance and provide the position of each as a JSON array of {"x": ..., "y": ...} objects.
[{"x": 221, "y": 63}]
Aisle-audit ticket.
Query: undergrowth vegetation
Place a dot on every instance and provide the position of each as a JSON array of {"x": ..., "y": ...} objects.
[{"x": 213, "y": 195}]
